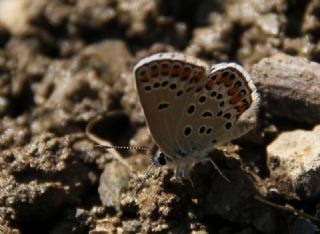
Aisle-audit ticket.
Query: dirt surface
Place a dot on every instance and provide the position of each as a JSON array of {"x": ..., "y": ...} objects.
[{"x": 64, "y": 62}]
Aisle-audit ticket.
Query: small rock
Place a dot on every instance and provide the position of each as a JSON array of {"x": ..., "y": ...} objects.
[
  {"x": 131, "y": 226},
  {"x": 107, "y": 225},
  {"x": 290, "y": 87},
  {"x": 109, "y": 65},
  {"x": 113, "y": 181},
  {"x": 302, "y": 46},
  {"x": 294, "y": 164},
  {"x": 14, "y": 16},
  {"x": 148, "y": 24},
  {"x": 311, "y": 24},
  {"x": 264, "y": 46},
  {"x": 213, "y": 40},
  {"x": 251, "y": 12}
]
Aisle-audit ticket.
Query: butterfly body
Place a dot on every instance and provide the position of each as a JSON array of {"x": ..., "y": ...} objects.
[{"x": 191, "y": 108}]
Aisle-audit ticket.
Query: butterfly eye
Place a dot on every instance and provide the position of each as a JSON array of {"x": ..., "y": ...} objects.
[{"x": 161, "y": 159}]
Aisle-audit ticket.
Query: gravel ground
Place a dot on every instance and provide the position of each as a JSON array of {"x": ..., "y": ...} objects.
[{"x": 65, "y": 62}]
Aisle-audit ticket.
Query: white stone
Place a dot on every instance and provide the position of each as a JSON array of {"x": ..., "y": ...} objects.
[{"x": 294, "y": 163}]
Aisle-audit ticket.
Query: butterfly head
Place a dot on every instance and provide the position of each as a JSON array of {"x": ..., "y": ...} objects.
[{"x": 160, "y": 159}]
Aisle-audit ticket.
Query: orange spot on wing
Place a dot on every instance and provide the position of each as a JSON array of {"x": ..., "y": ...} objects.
[
  {"x": 144, "y": 79},
  {"x": 154, "y": 71},
  {"x": 165, "y": 69},
  {"x": 186, "y": 73},
  {"x": 222, "y": 79},
  {"x": 176, "y": 70},
  {"x": 233, "y": 91},
  {"x": 198, "y": 88},
  {"x": 199, "y": 75},
  {"x": 240, "y": 109},
  {"x": 209, "y": 84},
  {"x": 235, "y": 99},
  {"x": 228, "y": 82}
]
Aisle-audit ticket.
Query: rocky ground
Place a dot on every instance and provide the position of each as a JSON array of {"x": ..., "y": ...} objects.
[{"x": 64, "y": 62}]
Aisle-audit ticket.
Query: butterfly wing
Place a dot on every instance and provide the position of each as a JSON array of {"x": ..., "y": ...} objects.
[
  {"x": 242, "y": 99},
  {"x": 225, "y": 108},
  {"x": 190, "y": 108},
  {"x": 164, "y": 83}
]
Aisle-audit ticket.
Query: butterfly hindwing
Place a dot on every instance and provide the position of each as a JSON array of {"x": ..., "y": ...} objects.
[{"x": 220, "y": 101}]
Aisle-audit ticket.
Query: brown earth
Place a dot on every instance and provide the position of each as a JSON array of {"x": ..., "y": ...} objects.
[{"x": 64, "y": 62}]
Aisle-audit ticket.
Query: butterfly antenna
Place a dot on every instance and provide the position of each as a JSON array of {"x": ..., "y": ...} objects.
[
  {"x": 123, "y": 147},
  {"x": 146, "y": 176},
  {"x": 104, "y": 143}
]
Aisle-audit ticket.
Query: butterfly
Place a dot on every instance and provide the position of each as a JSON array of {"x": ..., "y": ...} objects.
[{"x": 192, "y": 108}]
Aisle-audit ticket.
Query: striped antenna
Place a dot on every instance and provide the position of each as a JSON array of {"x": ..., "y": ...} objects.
[
  {"x": 146, "y": 175},
  {"x": 123, "y": 147},
  {"x": 102, "y": 143}
]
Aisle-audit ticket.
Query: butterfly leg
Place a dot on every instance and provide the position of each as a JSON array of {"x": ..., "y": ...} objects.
[
  {"x": 217, "y": 168},
  {"x": 187, "y": 176},
  {"x": 178, "y": 172},
  {"x": 182, "y": 173},
  {"x": 158, "y": 171}
]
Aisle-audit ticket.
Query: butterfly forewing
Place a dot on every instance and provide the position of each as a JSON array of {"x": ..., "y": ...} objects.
[{"x": 165, "y": 82}]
